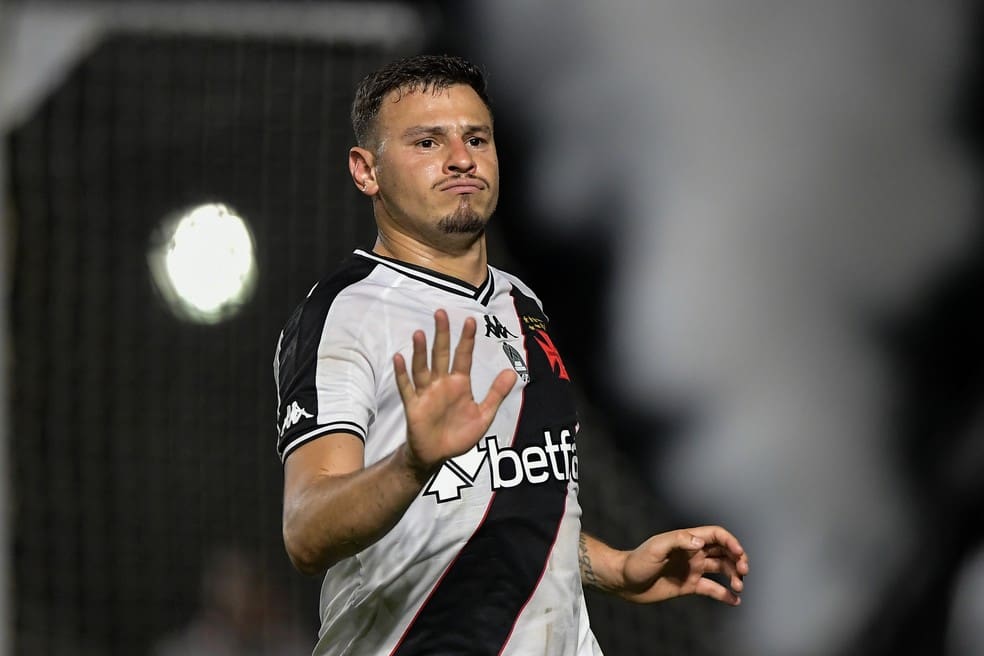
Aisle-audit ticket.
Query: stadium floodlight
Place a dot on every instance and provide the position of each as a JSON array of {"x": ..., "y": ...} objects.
[{"x": 202, "y": 261}]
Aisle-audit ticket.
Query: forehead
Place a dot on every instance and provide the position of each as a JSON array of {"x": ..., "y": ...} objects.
[{"x": 456, "y": 105}]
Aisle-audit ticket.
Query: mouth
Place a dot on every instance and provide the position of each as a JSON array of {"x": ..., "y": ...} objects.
[{"x": 462, "y": 186}]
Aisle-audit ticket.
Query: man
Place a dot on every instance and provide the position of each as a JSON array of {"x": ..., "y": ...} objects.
[{"x": 446, "y": 524}]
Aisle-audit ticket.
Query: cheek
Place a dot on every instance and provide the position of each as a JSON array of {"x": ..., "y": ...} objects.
[
  {"x": 419, "y": 174},
  {"x": 428, "y": 171},
  {"x": 490, "y": 168},
  {"x": 411, "y": 177}
]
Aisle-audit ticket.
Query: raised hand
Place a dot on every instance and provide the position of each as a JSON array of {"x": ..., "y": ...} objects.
[{"x": 443, "y": 418}]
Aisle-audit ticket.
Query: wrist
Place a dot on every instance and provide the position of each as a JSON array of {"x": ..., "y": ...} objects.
[
  {"x": 602, "y": 566},
  {"x": 618, "y": 560},
  {"x": 419, "y": 471}
]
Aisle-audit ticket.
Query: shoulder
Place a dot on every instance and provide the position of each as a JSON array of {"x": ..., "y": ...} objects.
[
  {"x": 349, "y": 277},
  {"x": 514, "y": 280},
  {"x": 350, "y": 282},
  {"x": 517, "y": 283},
  {"x": 340, "y": 294}
]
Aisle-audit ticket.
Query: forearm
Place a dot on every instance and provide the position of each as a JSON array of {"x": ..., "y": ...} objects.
[
  {"x": 334, "y": 517},
  {"x": 601, "y": 566}
]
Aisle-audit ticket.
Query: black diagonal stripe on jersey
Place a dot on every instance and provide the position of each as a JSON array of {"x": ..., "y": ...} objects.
[{"x": 474, "y": 607}]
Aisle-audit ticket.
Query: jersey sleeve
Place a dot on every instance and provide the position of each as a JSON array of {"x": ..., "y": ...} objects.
[
  {"x": 324, "y": 371},
  {"x": 523, "y": 287}
]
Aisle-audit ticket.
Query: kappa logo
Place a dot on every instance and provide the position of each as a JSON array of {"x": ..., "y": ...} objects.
[
  {"x": 294, "y": 414},
  {"x": 494, "y": 328},
  {"x": 508, "y": 467}
]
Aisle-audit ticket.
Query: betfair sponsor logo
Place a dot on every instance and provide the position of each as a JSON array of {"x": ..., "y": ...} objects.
[
  {"x": 557, "y": 459},
  {"x": 508, "y": 467}
]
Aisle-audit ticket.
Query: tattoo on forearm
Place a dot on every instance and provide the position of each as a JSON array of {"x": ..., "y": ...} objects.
[{"x": 587, "y": 572}]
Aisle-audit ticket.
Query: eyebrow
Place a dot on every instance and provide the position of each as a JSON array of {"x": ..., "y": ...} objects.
[{"x": 437, "y": 130}]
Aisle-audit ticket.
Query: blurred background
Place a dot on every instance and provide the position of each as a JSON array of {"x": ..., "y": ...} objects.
[{"x": 755, "y": 225}]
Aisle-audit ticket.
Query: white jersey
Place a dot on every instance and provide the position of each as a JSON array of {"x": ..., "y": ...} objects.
[{"x": 485, "y": 560}]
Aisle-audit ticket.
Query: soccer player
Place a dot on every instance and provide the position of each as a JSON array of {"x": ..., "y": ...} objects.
[{"x": 448, "y": 522}]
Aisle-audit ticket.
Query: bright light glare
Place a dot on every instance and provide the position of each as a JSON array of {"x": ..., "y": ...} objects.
[{"x": 204, "y": 264}]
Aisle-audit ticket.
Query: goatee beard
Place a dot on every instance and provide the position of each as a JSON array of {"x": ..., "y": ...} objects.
[{"x": 463, "y": 220}]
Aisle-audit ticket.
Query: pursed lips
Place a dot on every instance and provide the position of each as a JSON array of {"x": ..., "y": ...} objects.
[{"x": 462, "y": 185}]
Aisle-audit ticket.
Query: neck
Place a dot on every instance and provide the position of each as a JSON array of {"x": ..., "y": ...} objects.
[{"x": 469, "y": 262}]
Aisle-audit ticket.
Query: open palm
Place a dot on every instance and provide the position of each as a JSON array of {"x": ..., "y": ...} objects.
[{"x": 443, "y": 418}]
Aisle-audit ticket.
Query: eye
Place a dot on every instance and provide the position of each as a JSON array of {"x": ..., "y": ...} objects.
[
  {"x": 476, "y": 141},
  {"x": 426, "y": 143}
]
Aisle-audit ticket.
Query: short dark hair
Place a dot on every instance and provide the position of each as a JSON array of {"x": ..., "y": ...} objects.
[{"x": 410, "y": 74}]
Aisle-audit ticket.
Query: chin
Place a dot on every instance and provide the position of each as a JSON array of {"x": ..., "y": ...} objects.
[{"x": 460, "y": 223}]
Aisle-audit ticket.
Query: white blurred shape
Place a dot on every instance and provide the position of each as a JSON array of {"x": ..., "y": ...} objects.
[{"x": 203, "y": 263}]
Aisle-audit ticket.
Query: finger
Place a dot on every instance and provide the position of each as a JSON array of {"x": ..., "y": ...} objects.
[
  {"x": 501, "y": 386},
  {"x": 740, "y": 562},
  {"x": 466, "y": 346},
  {"x": 718, "y": 551},
  {"x": 727, "y": 569},
  {"x": 421, "y": 374},
  {"x": 710, "y": 588},
  {"x": 678, "y": 539},
  {"x": 403, "y": 383},
  {"x": 725, "y": 546},
  {"x": 718, "y": 535},
  {"x": 441, "y": 351}
]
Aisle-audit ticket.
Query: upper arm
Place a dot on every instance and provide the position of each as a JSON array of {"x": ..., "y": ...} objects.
[
  {"x": 309, "y": 474},
  {"x": 334, "y": 454}
]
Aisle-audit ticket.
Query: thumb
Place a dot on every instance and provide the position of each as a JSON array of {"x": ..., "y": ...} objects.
[
  {"x": 501, "y": 387},
  {"x": 690, "y": 541},
  {"x": 661, "y": 545}
]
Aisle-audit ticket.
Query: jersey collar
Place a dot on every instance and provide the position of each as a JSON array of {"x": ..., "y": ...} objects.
[{"x": 482, "y": 293}]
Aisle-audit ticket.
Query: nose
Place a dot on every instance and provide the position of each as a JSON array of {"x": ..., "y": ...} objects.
[{"x": 459, "y": 159}]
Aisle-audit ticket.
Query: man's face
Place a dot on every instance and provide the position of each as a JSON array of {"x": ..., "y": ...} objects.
[{"x": 436, "y": 166}]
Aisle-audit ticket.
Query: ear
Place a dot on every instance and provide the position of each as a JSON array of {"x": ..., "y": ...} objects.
[{"x": 362, "y": 166}]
